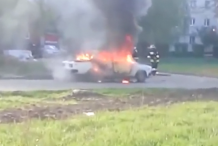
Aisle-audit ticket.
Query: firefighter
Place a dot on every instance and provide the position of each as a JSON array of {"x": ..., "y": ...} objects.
[
  {"x": 135, "y": 53},
  {"x": 36, "y": 50},
  {"x": 154, "y": 57}
]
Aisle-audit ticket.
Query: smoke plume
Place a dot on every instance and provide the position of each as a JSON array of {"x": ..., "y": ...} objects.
[
  {"x": 14, "y": 18},
  {"x": 121, "y": 17},
  {"x": 89, "y": 23},
  {"x": 96, "y": 23}
]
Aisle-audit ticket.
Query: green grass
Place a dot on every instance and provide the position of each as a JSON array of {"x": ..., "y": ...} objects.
[
  {"x": 190, "y": 124},
  {"x": 202, "y": 67},
  {"x": 20, "y": 99},
  {"x": 36, "y": 94},
  {"x": 112, "y": 92},
  {"x": 182, "y": 124}
]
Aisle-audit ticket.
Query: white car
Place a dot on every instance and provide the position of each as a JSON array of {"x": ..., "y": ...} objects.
[{"x": 87, "y": 70}]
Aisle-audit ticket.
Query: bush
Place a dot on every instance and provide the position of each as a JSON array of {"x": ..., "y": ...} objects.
[{"x": 198, "y": 50}]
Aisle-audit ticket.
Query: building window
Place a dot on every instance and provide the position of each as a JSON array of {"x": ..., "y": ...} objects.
[
  {"x": 192, "y": 21},
  {"x": 207, "y": 3},
  {"x": 193, "y": 3},
  {"x": 206, "y": 22},
  {"x": 192, "y": 39}
]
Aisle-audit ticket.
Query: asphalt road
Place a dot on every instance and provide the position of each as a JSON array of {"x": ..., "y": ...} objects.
[{"x": 173, "y": 81}]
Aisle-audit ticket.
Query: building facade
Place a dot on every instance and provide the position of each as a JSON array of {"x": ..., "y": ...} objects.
[{"x": 201, "y": 14}]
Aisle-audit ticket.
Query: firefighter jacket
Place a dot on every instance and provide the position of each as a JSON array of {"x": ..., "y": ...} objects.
[{"x": 153, "y": 55}]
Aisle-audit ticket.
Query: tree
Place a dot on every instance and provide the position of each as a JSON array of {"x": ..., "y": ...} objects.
[
  {"x": 163, "y": 21},
  {"x": 208, "y": 36}
]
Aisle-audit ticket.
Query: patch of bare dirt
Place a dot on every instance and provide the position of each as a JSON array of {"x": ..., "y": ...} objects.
[
  {"x": 96, "y": 102},
  {"x": 84, "y": 95}
]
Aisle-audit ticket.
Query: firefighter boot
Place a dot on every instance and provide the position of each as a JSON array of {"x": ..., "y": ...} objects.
[
  {"x": 154, "y": 71},
  {"x": 154, "y": 68}
]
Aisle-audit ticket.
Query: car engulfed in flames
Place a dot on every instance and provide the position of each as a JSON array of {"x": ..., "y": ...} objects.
[
  {"x": 117, "y": 62},
  {"x": 112, "y": 63},
  {"x": 116, "y": 59}
]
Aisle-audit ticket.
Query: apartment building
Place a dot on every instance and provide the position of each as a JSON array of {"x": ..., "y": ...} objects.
[{"x": 200, "y": 14}]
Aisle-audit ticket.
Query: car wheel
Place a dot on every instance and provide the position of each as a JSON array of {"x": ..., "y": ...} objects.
[{"x": 141, "y": 76}]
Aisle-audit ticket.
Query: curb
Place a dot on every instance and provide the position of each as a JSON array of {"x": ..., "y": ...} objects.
[
  {"x": 163, "y": 74},
  {"x": 190, "y": 74}
]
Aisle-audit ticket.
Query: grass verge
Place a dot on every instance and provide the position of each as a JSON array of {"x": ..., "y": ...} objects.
[
  {"x": 184, "y": 123},
  {"x": 20, "y": 99},
  {"x": 11, "y": 66},
  {"x": 201, "y": 67}
]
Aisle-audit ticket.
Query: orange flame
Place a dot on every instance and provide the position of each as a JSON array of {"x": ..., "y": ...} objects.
[
  {"x": 122, "y": 54},
  {"x": 84, "y": 57}
]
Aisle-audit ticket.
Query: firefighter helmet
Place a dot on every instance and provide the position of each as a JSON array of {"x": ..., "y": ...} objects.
[{"x": 152, "y": 47}]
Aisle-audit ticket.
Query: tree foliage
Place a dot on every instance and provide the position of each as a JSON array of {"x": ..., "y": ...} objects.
[
  {"x": 208, "y": 36},
  {"x": 163, "y": 17}
]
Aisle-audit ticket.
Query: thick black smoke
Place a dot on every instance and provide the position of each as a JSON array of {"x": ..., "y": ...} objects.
[
  {"x": 95, "y": 24},
  {"x": 121, "y": 18}
]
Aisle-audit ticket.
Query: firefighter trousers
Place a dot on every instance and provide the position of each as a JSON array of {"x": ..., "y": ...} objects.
[{"x": 154, "y": 65}]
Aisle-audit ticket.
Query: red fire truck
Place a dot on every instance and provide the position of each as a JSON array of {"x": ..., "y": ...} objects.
[{"x": 50, "y": 38}]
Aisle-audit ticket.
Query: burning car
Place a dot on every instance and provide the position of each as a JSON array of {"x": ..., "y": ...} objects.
[{"x": 107, "y": 66}]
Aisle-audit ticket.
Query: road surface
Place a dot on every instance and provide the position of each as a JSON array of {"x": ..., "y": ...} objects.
[{"x": 173, "y": 81}]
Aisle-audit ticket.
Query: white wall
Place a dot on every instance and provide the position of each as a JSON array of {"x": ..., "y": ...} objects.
[{"x": 199, "y": 12}]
